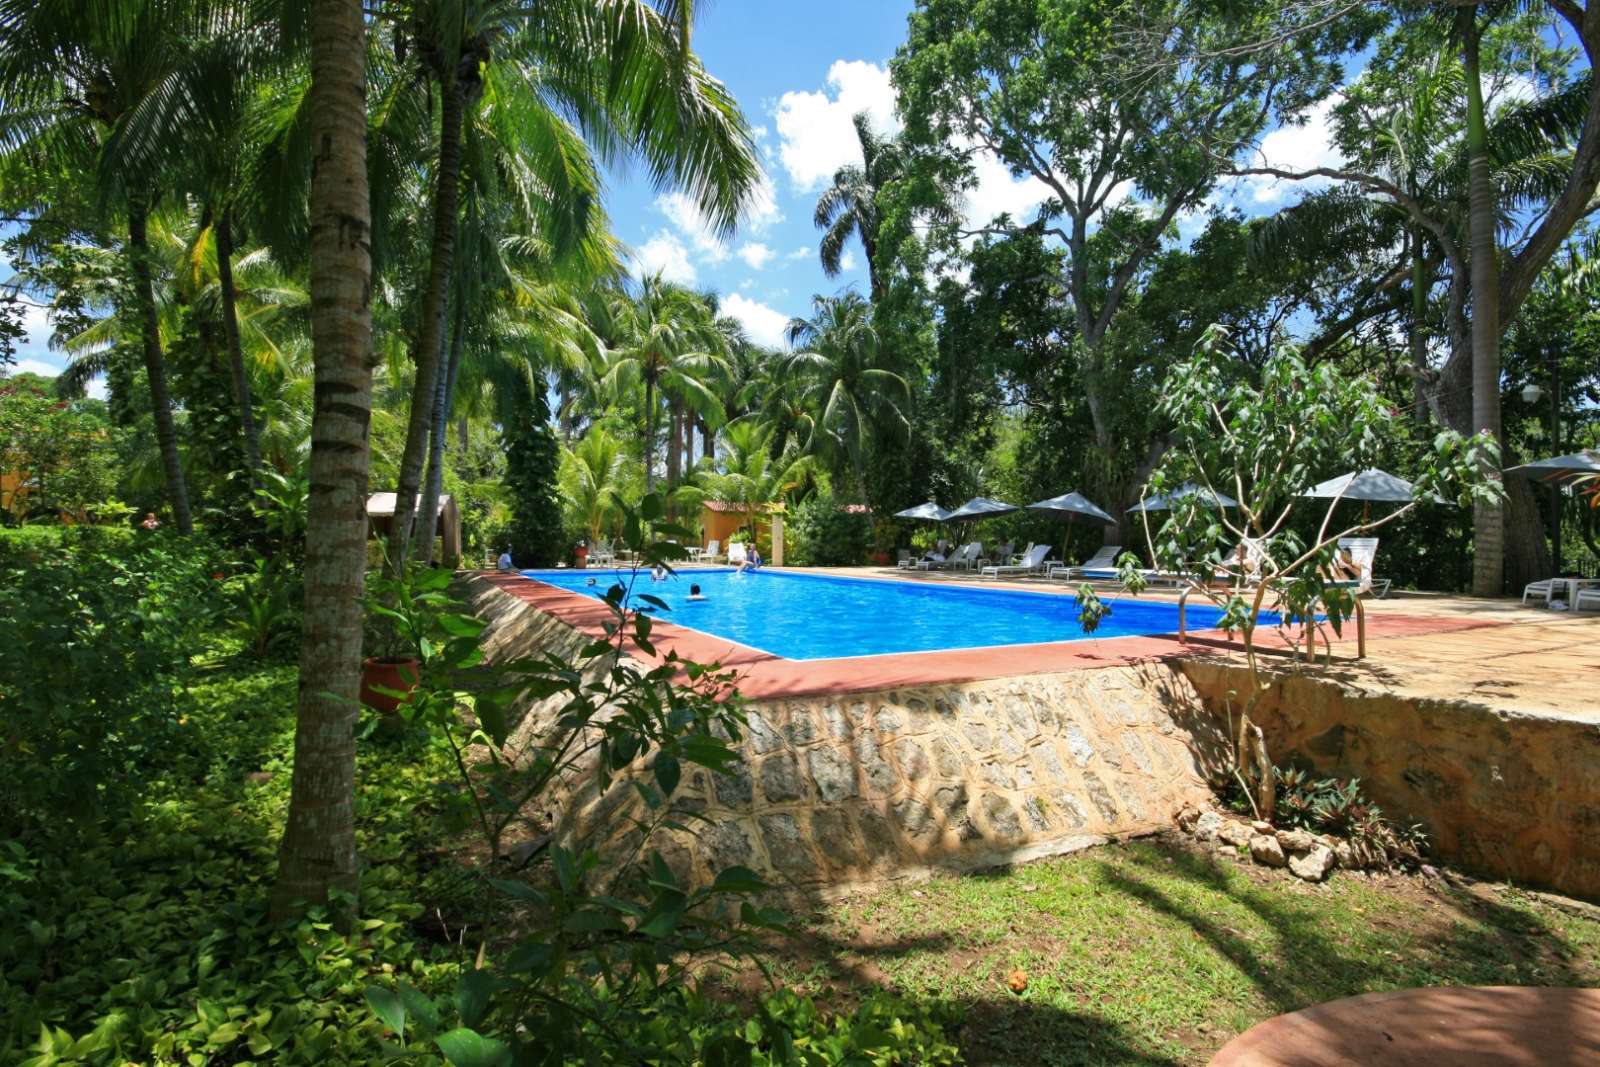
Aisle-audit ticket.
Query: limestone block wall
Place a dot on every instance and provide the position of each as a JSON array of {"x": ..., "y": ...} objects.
[
  {"x": 832, "y": 791},
  {"x": 1505, "y": 794}
]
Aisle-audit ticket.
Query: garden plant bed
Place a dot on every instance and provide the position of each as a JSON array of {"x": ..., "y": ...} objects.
[{"x": 1160, "y": 951}]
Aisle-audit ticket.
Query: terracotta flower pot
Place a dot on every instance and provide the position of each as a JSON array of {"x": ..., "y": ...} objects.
[
  {"x": 394, "y": 673},
  {"x": 581, "y": 558}
]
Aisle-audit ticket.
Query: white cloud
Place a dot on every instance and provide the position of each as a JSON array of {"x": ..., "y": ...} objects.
[
  {"x": 1297, "y": 148},
  {"x": 665, "y": 255},
  {"x": 848, "y": 260},
  {"x": 35, "y": 366},
  {"x": 814, "y": 128},
  {"x": 755, "y": 255},
  {"x": 764, "y": 324},
  {"x": 997, "y": 192},
  {"x": 800, "y": 253},
  {"x": 759, "y": 213}
]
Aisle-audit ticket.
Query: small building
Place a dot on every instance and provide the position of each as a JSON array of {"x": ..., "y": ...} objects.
[
  {"x": 380, "y": 513},
  {"x": 721, "y": 521}
]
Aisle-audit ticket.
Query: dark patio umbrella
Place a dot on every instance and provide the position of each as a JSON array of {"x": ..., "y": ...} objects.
[
  {"x": 929, "y": 512},
  {"x": 980, "y": 507},
  {"x": 1366, "y": 485},
  {"x": 1560, "y": 468},
  {"x": 1071, "y": 505},
  {"x": 1163, "y": 502}
]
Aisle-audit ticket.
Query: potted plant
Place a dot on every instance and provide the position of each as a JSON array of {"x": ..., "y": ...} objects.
[
  {"x": 394, "y": 627},
  {"x": 580, "y": 555}
]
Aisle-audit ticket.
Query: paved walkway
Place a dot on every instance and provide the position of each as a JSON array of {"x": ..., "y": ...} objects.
[{"x": 1491, "y": 1026}]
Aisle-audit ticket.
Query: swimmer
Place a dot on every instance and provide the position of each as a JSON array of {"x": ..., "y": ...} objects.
[{"x": 694, "y": 593}]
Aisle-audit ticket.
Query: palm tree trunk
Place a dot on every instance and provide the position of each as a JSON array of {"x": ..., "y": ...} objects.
[
  {"x": 674, "y": 443},
  {"x": 230, "y": 329},
  {"x": 430, "y": 332},
  {"x": 318, "y": 852},
  {"x": 1488, "y": 519},
  {"x": 649, "y": 435},
  {"x": 155, "y": 364},
  {"x": 708, "y": 441},
  {"x": 434, "y": 485},
  {"x": 461, "y": 425}
]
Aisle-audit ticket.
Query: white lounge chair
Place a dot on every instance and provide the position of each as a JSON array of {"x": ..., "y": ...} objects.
[
  {"x": 1587, "y": 600},
  {"x": 1363, "y": 552},
  {"x": 903, "y": 560},
  {"x": 737, "y": 554},
  {"x": 712, "y": 552},
  {"x": 602, "y": 555},
  {"x": 1571, "y": 589},
  {"x": 961, "y": 557},
  {"x": 1030, "y": 564},
  {"x": 1103, "y": 564}
]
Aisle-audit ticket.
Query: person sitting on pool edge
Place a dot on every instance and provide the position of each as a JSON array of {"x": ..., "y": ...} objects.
[
  {"x": 694, "y": 593},
  {"x": 504, "y": 562},
  {"x": 751, "y": 561}
]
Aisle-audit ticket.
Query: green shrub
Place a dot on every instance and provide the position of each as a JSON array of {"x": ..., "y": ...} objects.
[
  {"x": 827, "y": 535},
  {"x": 95, "y": 648},
  {"x": 39, "y": 544}
]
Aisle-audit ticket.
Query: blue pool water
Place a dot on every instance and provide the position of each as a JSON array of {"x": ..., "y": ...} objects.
[{"x": 807, "y": 616}]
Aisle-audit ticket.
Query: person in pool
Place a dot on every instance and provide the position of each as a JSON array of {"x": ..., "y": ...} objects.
[
  {"x": 694, "y": 593},
  {"x": 658, "y": 573}
]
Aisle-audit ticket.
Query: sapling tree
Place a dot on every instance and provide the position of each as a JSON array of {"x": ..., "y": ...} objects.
[{"x": 1262, "y": 438}]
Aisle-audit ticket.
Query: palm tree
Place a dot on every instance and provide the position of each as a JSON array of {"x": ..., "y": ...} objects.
[
  {"x": 749, "y": 473},
  {"x": 590, "y": 473},
  {"x": 318, "y": 851},
  {"x": 845, "y": 380},
  {"x": 623, "y": 70},
  {"x": 669, "y": 348},
  {"x": 849, "y": 206},
  {"x": 74, "y": 73}
]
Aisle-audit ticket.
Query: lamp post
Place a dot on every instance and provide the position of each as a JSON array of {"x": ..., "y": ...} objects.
[{"x": 1531, "y": 393}]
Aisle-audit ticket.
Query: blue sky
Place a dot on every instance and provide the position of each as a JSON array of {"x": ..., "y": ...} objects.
[{"x": 800, "y": 71}]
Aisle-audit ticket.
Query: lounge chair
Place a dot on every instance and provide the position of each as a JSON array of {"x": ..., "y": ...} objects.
[
  {"x": 737, "y": 554},
  {"x": 602, "y": 555},
  {"x": 1587, "y": 599},
  {"x": 903, "y": 560},
  {"x": 1571, "y": 589},
  {"x": 1103, "y": 564},
  {"x": 712, "y": 552},
  {"x": 961, "y": 557},
  {"x": 1030, "y": 564},
  {"x": 1363, "y": 552}
]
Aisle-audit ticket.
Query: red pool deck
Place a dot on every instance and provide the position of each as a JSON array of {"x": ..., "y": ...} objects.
[
  {"x": 1486, "y": 1026},
  {"x": 763, "y": 676}
]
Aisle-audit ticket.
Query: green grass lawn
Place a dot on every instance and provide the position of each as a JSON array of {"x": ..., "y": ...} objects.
[{"x": 1151, "y": 953}]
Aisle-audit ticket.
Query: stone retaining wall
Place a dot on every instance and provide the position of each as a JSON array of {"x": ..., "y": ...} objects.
[
  {"x": 833, "y": 791},
  {"x": 1505, "y": 794}
]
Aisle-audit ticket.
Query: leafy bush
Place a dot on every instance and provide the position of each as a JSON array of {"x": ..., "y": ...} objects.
[
  {"x": 94, "y": 650},
  {"x": 828, "y": 535},
  {"x": 38, "y": 544},
  {"x": 1337, "y": 806}
]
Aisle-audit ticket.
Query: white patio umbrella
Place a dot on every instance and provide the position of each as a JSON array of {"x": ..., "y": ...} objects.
[
  {"x": 1369, "y": 486},
  {"x": 1163, "y": 501}
]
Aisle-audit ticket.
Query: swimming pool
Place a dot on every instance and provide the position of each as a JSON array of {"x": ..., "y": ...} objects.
[{"x": 813, "y": 616}]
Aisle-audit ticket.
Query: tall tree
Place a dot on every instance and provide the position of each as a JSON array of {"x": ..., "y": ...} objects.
[
  {"x": 74, "y": 73},
  {"x": 1125, "y": 115},
  {"x": 847, "y": 381},
  {"x": 849, "y": 205},
  {"x": 318, "y": 852},
  {"x": 623, "y": 70}
]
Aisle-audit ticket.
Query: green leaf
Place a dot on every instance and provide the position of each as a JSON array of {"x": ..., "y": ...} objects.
[
  {"x": 461, "y": 625},
  {"x": 668, "y": 772},
  {"x": 737, "y": 880},
  {"x": 467, "y": 1048},
  {"x": 387, "y": 1005},
  {"x": 472, "y": 996}
]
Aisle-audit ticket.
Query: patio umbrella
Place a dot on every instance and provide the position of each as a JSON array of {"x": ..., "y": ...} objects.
[
  {"x": 1071, "y": 505},
  {"x": 1368, "y": 485},
  {"x": 929, "y": 512},
  {"x": 1560, "y": 468},
  {"x": 980, "y": 507},
  {"x": 1163, "y": 502},
  {"x": 1365, "y": 486}
]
